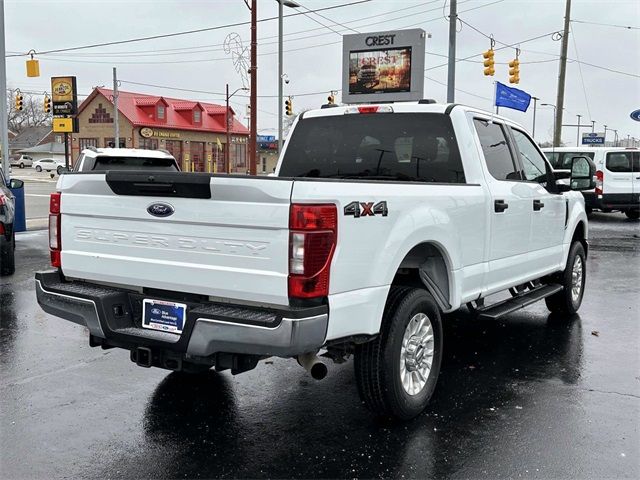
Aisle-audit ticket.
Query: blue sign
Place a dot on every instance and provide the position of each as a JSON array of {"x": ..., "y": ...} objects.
[
  {"x": 512, "y": 97},
  {"x": 636, "y": 115},
  {"x": 592, "y": 138},
  {"x": 266, "y": 138}
]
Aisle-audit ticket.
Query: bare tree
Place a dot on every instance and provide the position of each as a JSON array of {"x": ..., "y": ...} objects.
[{"x": 31, "y": 115}]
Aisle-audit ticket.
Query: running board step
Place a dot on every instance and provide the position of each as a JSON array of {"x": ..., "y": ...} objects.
[{"x": 500, "y": 309}]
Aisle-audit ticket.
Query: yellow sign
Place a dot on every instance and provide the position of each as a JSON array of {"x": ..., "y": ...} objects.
[
  {"x": 147, "y": 132},
  {"x": 218, "y": 144},
  {"x": 62, "y": 89},
  {"x": 63, "y": 125}
]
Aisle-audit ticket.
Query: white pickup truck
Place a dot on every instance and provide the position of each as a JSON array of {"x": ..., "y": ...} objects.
[{"x": 379, "y": 219}]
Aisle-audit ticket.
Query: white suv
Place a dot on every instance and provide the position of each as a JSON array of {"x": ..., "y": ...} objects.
[{"x": 102, "y": 159}]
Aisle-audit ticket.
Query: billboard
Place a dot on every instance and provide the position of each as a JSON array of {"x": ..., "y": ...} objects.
[
  {"x": 383, "y": 66},
  {"x": 64, "y": 95}
]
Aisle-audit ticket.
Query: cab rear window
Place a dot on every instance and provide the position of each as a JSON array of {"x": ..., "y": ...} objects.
[
  {"x": 562, "y": 160},
  {"x": 134, "y": 163},
  {"x": 418, "y": 147}
]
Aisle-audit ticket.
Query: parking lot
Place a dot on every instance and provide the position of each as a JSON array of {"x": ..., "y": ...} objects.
[{"x": 529, "y": 396}]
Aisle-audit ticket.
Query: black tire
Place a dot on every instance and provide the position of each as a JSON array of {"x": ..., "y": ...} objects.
[
  {"x": 7, "y": 256},
  {"x": 59, "y": 170},
  {"x": 564, "y": 302},
  {"x": 38, "y": 168},
  {"x": 632, "y": 214},
  {"x": 21, "y": 164},
  {"x": 377, "y": 363}
]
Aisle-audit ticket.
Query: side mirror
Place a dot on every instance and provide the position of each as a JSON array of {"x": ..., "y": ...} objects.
[
  {"x": 15, "y": 183},
  {"x": 62, "y": 170},
  {"x": 583, "y": 171}
]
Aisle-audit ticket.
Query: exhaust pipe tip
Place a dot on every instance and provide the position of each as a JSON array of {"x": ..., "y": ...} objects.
[
  {"x": 318, "y": 370},
  {"x": 312, "y": 364}
]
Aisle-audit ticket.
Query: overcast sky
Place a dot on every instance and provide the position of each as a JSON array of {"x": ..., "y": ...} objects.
[{"x": 313, "y": 64}]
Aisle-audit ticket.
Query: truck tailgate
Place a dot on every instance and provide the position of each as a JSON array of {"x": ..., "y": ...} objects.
[{"x": 232, "y": 245}]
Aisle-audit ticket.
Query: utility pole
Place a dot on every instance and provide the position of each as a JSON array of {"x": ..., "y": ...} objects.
[
  {"x": 557, "y": 133},
  {"x": 535, "y": 103},
  {"x": 578, "y": 134},
  {"x": 227, "y": 147},
  {"x": 4, "y": 118},
  {"x": 116, "y": 123},
  {"x": 254, "y": 88},
  {"x": 280, "y": 34},
  {"x": 451, "y": 77},
  {"x": 593, "y": 126}
]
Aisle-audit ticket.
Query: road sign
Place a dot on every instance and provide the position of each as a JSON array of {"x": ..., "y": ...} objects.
[
  {"x": 266, "y": 138},
  {"x": 63, "y": 125},
  {"x": 593, "y": 138},
  {"x": 636, "y": 115}
]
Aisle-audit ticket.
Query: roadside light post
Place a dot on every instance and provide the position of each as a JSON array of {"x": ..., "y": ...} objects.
[
  {"x": 605, "y": 135},
  {"x": 593, "y": 126},
  {"x": 290, "y": 4},
  {"x": 227, "y": 118},
  {"x": 535, "y": 102},
  {"x": 553, "y": 143},
  {"x": 615, "y": 138}
]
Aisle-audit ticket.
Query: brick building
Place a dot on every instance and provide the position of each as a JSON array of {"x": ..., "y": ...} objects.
[{"x": 194, "y": 132}]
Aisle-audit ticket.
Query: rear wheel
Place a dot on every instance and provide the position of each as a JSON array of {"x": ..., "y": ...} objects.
[
  {"x": 632, "y": 214},
  {"x": 7, "y": 255},
  {"x": 21, "y": 164},
  {"x": 568, "y": 300},
  {"x": 59, "y": 170},
  {"x": 397, "y": 372},
  {"x": 38, "y": 168}
]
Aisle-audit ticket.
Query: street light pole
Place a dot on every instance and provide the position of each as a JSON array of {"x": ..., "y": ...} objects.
[
  {"x": 291, "y": 4},
  {"x": 535, "y": 102},
  {"x": 615, "y": 138},
  {"x": 227, "y": 121},
  {"x": 578, "y": 134},
  {"x": 4, "y": 118},
  {"x": 553, "y": 142},
  {"x": 593, "y": 126}
]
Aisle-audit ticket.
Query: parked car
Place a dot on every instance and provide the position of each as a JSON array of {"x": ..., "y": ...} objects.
[
  {"x": 381, "y": 219},
  {"x": 103, "y": 159},
  {"x": 617, "y": 176},
  {"x": 7, "y": 216},
  {"x": 21, "y": 160},
  {"x": 49, "y": 164}
]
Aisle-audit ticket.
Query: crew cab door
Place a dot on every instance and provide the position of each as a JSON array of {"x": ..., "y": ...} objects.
[
  {"x": 548, "y": 210},
  {"x": 510, "y": 208}
]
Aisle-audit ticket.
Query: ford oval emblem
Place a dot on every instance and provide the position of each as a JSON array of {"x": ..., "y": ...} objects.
[{"x": 160, "y": 209}]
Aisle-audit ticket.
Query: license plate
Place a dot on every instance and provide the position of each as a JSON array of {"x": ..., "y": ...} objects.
[{"x": 164, "y": 316}]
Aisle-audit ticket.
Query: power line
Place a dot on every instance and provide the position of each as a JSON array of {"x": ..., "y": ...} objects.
[
  {"x": 332, "y": 21},
  {"x": 584, "y": 90},
  {"x": 186, "y": 32},
  {"x": 606, "y": 68},
  {"x": 606, "y": 24}
]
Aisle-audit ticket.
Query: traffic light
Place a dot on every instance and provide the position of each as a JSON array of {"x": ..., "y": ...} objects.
[
  {"x": 47, "y": 104},
  {"x": 489, "y": 62},
  {"x": 19, "y": 101},
  {"x": 331, "y": 99},
  {"x": 288, "y": 106},
  {"x": 514, "y": 71}
]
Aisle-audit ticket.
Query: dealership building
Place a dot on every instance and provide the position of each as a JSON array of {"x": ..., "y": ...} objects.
[{"x": 192, "y": 131}]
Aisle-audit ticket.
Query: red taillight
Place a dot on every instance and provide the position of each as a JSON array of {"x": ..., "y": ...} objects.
[
  {"x": 312, "y": 241},
  {"x": 55, "y": 244},
  {"x": 599, "y": 181}
]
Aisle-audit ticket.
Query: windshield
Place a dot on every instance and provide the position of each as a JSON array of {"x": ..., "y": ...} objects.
[
  {"x": 134, "y": 163},
  {"x": 384, "y": 146}
]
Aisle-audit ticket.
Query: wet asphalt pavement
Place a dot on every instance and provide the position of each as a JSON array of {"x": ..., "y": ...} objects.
[{"x": 529, "y": 396}]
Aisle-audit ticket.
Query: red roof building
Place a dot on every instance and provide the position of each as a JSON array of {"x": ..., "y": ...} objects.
[{"x": 194, "y": 132}]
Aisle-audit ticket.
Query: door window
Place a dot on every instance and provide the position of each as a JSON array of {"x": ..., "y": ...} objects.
[
  {"x": 535, "y": 167},
  {"x": 496, "y": 150}
]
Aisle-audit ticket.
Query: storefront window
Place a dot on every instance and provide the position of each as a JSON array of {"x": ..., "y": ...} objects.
[
  {"x": 239, "y": 160},
  {"x": 110, "y": 142},
  {"x": 148, "y": 143},
  {"x": 87, "y": 142}
]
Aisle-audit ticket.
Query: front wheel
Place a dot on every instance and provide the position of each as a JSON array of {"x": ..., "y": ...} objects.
[
  {"x": 632, "y": 214},
  {"x": 38, "y": 168},
  {"x": 397, "y": 372},
  {"x": 21, "y": 164},
  {"x": 59, "y": 170},
  {"x": 567, "y": 301}
]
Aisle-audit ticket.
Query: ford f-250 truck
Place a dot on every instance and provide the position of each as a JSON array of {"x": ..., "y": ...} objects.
[{"x": 379, "y": 219}]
